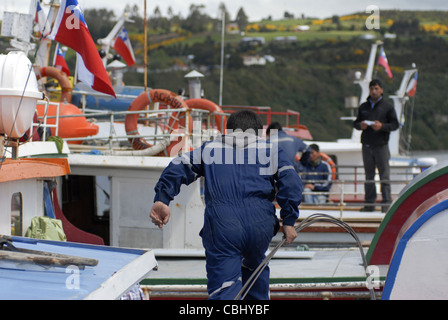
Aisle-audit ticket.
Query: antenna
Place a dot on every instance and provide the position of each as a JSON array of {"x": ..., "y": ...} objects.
[{"x": 18, "y": 26}]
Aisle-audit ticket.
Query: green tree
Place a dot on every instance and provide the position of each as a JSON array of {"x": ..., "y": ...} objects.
[
  {"x": 196, "y": 20},
  {"x": 241, "y": 19}
]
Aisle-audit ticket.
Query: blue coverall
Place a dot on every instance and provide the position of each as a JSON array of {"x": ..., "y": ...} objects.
[
  {"x": 291, "y": 145},
  {"x": 241, "y": 174}
]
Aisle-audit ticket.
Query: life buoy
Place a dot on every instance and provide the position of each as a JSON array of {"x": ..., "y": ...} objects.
[
  {"x": 61, "y": 77},
  {"x": 204, "y": 104},
  {"x": 146, "y": 98},
  {"x": 69, "y": 127},
  {"x": 330, "y": 161}
]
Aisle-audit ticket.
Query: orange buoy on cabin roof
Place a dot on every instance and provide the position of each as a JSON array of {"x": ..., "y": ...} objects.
[{"x": 71, "y": 127}]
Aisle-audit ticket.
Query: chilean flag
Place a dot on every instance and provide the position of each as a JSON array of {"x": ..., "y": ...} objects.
[
  {"x": 412, "y": 86},
  {"x": 41, "y": 20},
  {"x": 59, "y": 61},
  {"x": 123, "y": 47},
  {"x": 71, "y": 29},
  {"x": 382, "y": 61}
]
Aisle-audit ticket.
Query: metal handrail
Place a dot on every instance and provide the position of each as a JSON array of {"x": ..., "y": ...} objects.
[
  {"x": 159, "y": 120},
  {"x": 344, "y": 188}
]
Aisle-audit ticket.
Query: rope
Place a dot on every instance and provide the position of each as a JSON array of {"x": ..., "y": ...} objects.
[{"x": 318, "y": 217}]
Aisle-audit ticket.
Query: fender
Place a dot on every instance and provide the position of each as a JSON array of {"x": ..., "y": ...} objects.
[
  {"x": 61, "y": 77},
  {"x": 146, "y": 98},
  {"x": 205, "y": 104},
  {"x": 330, "y": 161}
]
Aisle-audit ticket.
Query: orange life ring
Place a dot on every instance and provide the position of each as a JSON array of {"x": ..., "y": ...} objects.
[
  {"x": 330, "y": 161},
  {"x": 61, "y": 77},
  {"x": 205, "y": 104},
  {"x": 144, "y": 99}
]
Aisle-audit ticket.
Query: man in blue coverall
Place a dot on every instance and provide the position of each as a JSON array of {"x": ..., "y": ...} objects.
[
  {"x": 291, "y": 145},
  {"x": 242, "y": 173}
]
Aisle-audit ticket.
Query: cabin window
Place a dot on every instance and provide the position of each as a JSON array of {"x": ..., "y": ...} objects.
[{"x": 16, "y": 214}]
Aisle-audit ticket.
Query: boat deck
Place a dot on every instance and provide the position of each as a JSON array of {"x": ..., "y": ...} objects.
[
  {"x": 322, "y": 258},
  {"x": 309, "y": 274}
]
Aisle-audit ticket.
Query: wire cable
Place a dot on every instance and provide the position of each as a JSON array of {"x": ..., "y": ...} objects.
[{"x": 318, "y": 217}]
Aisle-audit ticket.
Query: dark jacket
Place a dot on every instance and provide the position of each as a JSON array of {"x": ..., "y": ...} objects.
[
  {"x": 382, "y": 111},
  {"x": 322, "y": 182}
]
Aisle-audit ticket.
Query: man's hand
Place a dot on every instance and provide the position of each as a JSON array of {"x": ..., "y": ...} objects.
[
  {"x": 160, "y": 214},
  {"x": 290, "y": 233},
  {"x": 309, "y": 186},
  {"x": 377, "y": 125}
]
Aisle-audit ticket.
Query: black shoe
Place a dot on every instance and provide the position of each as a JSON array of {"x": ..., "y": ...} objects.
[{"x": 368, "y": 209}]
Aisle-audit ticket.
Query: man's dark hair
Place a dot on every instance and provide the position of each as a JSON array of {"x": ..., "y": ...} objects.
[
  {"x": 375, "y": 82},
  {"x": 244, "y": 120},
  {"x": 274, "y": 125},
  {"x": 314, "y": 147}
]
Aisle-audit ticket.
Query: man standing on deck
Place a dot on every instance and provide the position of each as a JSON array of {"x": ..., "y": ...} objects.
[
  {"x": 376, "y": 118},
  {"x": 242, "y": 173}
]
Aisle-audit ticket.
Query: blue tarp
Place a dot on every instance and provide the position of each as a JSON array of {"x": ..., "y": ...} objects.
[{"x": 22, "y": 281}]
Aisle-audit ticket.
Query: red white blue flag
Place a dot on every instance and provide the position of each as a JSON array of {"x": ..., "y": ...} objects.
[
  {"x": 70, "y": 29},
  {"x": 59, "y": 61},
  {"x": 411, "y": 90},
  {"x": 123, "y": 47},
  {"x": 41, "y": 21},
  {"x": 382, "y": 61}
]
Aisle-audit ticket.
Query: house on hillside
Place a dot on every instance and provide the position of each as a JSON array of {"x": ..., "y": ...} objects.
[
  {"x": 253, "y": 41},
  {"x": 232, "y": 28},
  {"x": 287, "y": 39},
  {"x": 301, "y": 28},
  {"x": 257, "y": 60}
]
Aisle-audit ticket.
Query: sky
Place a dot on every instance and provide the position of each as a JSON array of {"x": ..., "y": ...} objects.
[{"x": 254, "y": 9}]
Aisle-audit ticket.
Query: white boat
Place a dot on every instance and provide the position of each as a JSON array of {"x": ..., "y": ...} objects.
[{"x": 37, "y": 269}]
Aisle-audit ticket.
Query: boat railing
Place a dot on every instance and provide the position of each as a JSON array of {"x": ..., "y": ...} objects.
[
  {"x": 347, "y": 190},
  {"x": 158, "y": 120},
  {"x": 43, "y": 121},
  {"x": 346, "y": 193}
]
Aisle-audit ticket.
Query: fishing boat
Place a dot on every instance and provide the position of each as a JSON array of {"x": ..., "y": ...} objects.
[
  {"x": 33, "y": 268},
  {"x": 106, "y": 197}
]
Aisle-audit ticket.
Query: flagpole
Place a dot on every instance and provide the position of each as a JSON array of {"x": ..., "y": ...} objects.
[
  {"x": 221, "y": 80},
  {"x": 145, "y": 58}
]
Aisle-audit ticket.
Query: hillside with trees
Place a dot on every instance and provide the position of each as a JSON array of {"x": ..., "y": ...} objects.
[{"x": 310, "y": 64}]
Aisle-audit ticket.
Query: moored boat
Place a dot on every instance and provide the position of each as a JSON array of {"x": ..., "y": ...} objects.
[{"x": 110, "y": 186}]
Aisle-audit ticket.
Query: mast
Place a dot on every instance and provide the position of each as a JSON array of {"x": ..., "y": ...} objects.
[
  {"x": 399, "y": 99},
  {"x": 364, "y": 83},
  {"x": 145, "y": 57},
  {"x": 221, "y": 80},
  {"x": 106, "y": 43}
]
